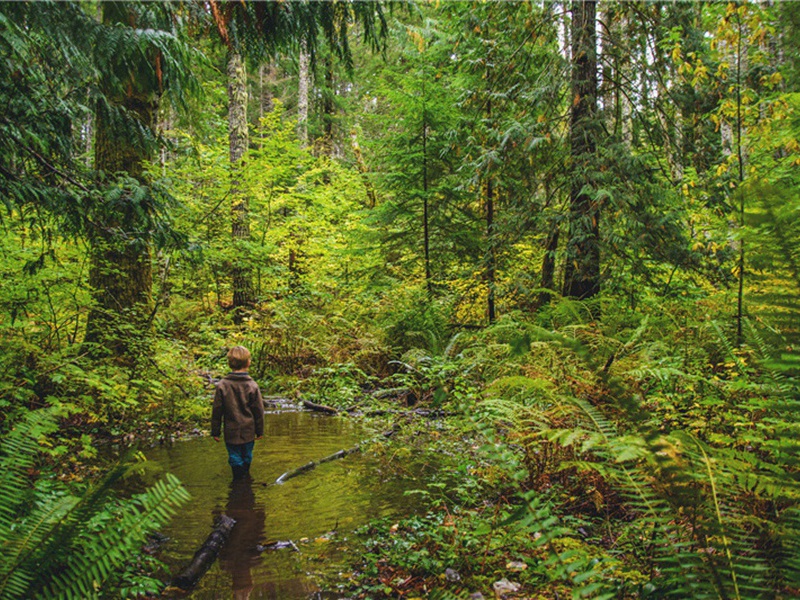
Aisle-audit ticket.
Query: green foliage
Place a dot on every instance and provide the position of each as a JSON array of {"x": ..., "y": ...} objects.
[
  {"x": 60, "y": 545},
  {"x": 626, "y": 446},
  {"x": 697, "y": 496},
  {"x": 649, "y": 457}
]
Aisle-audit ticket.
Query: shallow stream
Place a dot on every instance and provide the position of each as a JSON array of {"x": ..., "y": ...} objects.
[{"x": 317, "y": 510}]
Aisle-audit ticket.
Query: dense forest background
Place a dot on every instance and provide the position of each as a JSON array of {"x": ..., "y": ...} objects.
[{"x": 570, "y": 226}]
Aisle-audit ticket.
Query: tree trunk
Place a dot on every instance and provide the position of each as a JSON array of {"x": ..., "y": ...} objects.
[
  {"x": 243, "y": 296},
  {"x": 426, "y": 238},
  {"x": 328, "y": 107},
  {"x": 266, "y": 79},
  {"x": 87, "y": 137},
  {"x": 120, "y": 271},
  {"x": 741, "y": 67},
  {"x": 665, "y": 108},
  {"x": 564, "y": 33},
  {"x": 491, "y": 258},
  {"x": 549, "y": 263},
  {"x": 302, "y": 98},
  {"x": 320, "y": 408},
  {"x": 582, "y": 267}
]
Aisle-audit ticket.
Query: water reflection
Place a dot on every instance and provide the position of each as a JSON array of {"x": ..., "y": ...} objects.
[
  {"x": 340, "y": 495},
  {"x": 240, "y": 554}
]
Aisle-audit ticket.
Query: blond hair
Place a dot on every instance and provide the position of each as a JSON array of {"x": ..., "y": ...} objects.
[{"x": 238, "y": 358}]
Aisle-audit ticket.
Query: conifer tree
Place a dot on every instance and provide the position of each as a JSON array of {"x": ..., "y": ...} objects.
[{"x": 582, "y": 262}]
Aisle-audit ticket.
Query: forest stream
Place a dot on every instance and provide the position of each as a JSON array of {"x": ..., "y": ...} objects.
[{"x": 317, "y": 511}]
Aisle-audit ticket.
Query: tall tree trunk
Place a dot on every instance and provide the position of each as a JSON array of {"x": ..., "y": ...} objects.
[
  {"x": 726, "y": 127},
  {"x": 328, "y": 108},
  {"x": 120, "y": 271},
  {"x": 266, "y": 79},
  {"x": 87, "y": 137},
  {"x": 491, "y": 259},
  {"x": 550, "y": 244},
  {"x": 426, "y": 238},
  {"x": 302, "y": 97},
  {"x": 741, "y": 66},
  {"x": 582, "y": 267},
  {"x": 564, "y": 33},
  {"x": 665, "y": 107},
  {"x": 243, "y": 296},
  {"x": 491, "y": 253},
  {"x": 615, "y": 56}
]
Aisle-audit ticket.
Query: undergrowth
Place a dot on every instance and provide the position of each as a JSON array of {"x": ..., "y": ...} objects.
[
  {"x": 73, "y": 542},
  {"x": 644, "y": 456}
]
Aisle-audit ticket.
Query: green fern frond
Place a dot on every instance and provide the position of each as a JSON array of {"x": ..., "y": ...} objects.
[
  {"x": 723, "y": 340},
  {"x": 99, "y": 554},
  {"x": 525, "y": 390},
  {"x": 788, "y": 555},
  {"x": 61, "y": 545}
]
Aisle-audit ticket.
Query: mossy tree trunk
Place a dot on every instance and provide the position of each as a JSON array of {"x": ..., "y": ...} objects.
[
  {"x": 243, "y": 293},
  {"x": 120, "y": 272}
]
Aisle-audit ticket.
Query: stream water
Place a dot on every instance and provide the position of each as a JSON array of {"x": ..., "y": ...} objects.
[{"x": 317, "y": 510}]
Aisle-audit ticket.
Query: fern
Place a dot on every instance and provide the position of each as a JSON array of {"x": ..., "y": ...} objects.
[
  {"x": 715, "y": 556},
  {"x": 67, "y": 546}
]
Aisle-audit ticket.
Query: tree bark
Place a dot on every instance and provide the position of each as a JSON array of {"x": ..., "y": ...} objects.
[
  {"x": 491, "y": 252},
  {"x": 491, "y": 258},
  {"x": 741, "y": 66},
  {"x": 582, "y": 267},
  {"x": 243, "y": 295},
  {"x": 302, "y": 97},
  {"x": 362, "y": 168},
  {"x": 266, "y": 79}
]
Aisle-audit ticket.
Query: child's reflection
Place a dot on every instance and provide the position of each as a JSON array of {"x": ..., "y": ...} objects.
[{"x": 239, "y": 554}]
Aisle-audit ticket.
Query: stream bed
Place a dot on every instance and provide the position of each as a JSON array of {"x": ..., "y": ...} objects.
[{"x": 317, "y": 510}]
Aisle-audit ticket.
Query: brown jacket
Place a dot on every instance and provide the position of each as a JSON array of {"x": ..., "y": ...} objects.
[{"x": 238, "y": 403}]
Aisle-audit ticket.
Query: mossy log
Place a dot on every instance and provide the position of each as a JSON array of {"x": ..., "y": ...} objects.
[
  {"x": 206, "y": 555},
  {"x": 329, "y": 410}
]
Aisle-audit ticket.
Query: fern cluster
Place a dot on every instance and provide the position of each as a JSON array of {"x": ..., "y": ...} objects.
[
  {"x": 706, "y": 504},
  {"x": 56, "y": 544}
]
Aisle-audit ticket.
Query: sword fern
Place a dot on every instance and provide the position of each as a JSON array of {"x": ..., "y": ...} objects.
[{"x": 60, "y": 545}]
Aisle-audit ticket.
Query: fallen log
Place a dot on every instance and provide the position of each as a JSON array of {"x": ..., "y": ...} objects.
[
  {"x": 320, "y": 408},
  {"x": 205, "y": 556},
  {"x": 335, "y": 456},
  {"x": 295, "y": 472},
  {"x": 271, "y": 403}
]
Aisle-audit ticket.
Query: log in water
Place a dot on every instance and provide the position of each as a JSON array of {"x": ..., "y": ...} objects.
[
  {"x": 206, "y": 555},
  {"x": 328, "y": 410}
]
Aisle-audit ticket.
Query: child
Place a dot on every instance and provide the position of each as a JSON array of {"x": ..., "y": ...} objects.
[{"x": 238, "y": 403}]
